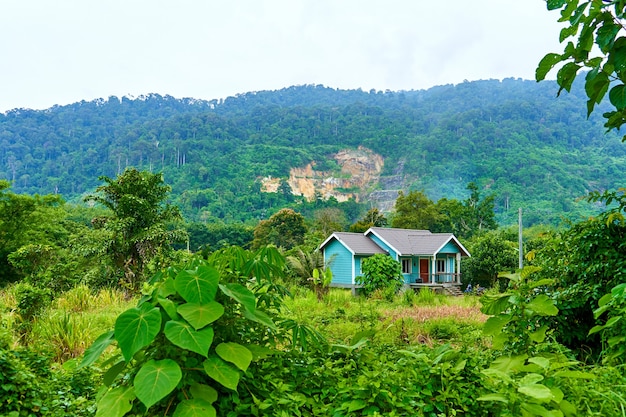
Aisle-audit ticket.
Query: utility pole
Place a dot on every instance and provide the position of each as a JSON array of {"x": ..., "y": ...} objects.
[{"x": 519, "y": 239}]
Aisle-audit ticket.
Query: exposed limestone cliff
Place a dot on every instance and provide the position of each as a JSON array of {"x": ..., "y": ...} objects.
[{"x": 359, "y": 173}]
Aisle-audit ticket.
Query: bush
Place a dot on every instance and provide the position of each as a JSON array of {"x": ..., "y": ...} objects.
[
  {"x": 381, "y": 272},
  {"x": 31, "y": 300}
]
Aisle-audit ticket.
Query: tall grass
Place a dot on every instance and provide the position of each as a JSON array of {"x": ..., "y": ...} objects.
[
  {"x": 65, "y": 328},
  {"x": 65, "y": 335},
  {"x": 413, "y": 318}
]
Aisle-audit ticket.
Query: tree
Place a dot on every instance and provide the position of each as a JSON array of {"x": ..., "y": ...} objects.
[
  {"x": 27, "y": 220},
  {"x": 491, "y": 254},
  {"x": 373, "y": 218},
  {"x": 309, "y": 268},
  {"x": 415, "y": 211},
  {"x": 329, "y": 220},
  {"x": 594, "y": 27},
  {"x": 285, "y": 229},
  {"x": 480, "y": 215},
  {"x": 136, "y": 230}
]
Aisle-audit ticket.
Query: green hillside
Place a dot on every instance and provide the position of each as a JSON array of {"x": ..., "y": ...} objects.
[{"x": 514, "y": 138}]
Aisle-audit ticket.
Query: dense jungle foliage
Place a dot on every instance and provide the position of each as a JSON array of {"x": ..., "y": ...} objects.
[
  {"x": 101, "y": 315},
  {"x": 513, "y": 138}
]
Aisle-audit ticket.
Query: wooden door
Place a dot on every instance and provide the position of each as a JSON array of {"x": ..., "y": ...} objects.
[{"x": 424, "y": 270}]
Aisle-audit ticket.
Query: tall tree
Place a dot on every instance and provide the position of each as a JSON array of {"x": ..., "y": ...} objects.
[
  {"x": 329, "y": 220},
  {"x": 26, "y": 220},
  {"x": 285, "y": 229},
  {"x": 373, "y": 218},
  {"x": 136, "y": 230},
  {"x": 480, "y": 215},
  {"x": 415, "y": 211}
]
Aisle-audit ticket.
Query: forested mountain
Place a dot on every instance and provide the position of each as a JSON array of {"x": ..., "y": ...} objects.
[{"x": 513, "y": 138}]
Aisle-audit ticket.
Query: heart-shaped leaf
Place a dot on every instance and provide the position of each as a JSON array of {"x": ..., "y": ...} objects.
[
  {"x": 235, "y": 354},
  {"x": 537, "y": 391},
  {"x": 116, "y": 402},
  {"x": 203, "y": 392},
  {"x": 199, "y": 315},
  {"x": 194, "y": 408},
  {"x": 199, "y": 285},
  {"x": 543, "y": 306},
  {"x": 169, "y": 306},
  {"x": 155, "y": 380},
  {"x": 222, "y": 372},
  {"x": 136, "y": 328},
  {"x": 186, "y": 337},
  {"x": 240, "y": 294}
]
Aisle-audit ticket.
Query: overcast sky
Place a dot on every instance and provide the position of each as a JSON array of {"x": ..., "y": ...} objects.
[{"x": 63, "y": 51}]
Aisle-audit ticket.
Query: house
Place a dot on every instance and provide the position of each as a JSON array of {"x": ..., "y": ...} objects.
[{"x": 427, "y": 259}]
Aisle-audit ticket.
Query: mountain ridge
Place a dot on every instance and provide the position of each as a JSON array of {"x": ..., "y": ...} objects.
[{"x": 512, "y": 137}]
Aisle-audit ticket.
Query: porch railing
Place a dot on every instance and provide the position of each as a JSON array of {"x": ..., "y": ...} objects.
[{"x": 442, "y": 278}]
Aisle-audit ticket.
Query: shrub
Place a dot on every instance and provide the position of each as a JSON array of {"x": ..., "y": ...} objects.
[
  {"x": 31, "y": 300},
  {"x": 381, "y": 272}
]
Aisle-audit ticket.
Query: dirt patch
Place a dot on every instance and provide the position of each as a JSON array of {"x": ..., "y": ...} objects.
[{"x": 422, "y": 314}]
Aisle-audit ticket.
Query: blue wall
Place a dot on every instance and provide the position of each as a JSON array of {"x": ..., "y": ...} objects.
[
  {"x": 340, "y": 262},
  {"x": 450, "y": 247}
]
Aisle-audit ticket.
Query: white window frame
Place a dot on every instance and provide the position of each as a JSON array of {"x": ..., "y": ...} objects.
[
  {"x": 408, "y": 262},
  {"x": 441, "y": 266}
]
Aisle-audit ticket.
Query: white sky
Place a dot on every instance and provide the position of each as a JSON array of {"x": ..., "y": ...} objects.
[{"x": 63, "y": 51}]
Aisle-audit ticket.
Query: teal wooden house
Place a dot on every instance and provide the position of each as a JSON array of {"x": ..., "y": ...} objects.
[{"x": 427, "y": 259}]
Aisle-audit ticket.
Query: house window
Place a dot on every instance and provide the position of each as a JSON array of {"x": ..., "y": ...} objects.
[
  {"x": 441, "y": 265},
  {"x": 406, "y": 266}
]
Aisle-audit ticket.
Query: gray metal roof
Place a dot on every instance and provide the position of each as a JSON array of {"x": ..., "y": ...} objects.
[
  {"x": 415, "y": 242},
  {"x": 357, "y": 243}
]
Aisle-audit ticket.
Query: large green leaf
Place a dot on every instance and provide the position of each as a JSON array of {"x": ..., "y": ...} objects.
[
  {"x": 235, "y": 353},
  {"x": 199, "y": 315},
  {"x": 566, "y": 75},
  {"x": 543, "y": 306},
  {"x": 538, "y": 392},
  {"x": 111, "y": 374},
  {"x": 494, "y": 324},
  {"x": 495, "y": 303},
  {"x": 136, "y": 328},
  {"x": 199, "y": 285},
  {"x": 169, "y": 306},
  {"x": 194, "y": 408},
  {"x": 186, "y": 337},
  {"x": 155, "y": 380},
  {"x": 545, "y": 65},
  {"x": 167, "y": 288},
  {"x": 240, "y": 294},
  {"x": 617, "y": 96},
  {"x": 203, "y": 392},
  {"x": 94, "y": 351},
  {"x": 259, "y": 317},
  {"x": 222, "y": 372},
  {"x": 116, "y": 402},
  {"x": 509, "y": 364}
]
